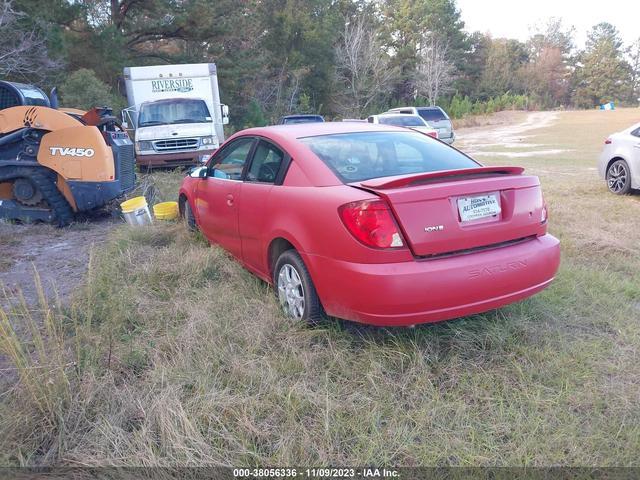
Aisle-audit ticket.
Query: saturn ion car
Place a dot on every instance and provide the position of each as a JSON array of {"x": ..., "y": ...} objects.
[
  {"x": 619, "y": 162},
  {"x": 373, "y": 223}
]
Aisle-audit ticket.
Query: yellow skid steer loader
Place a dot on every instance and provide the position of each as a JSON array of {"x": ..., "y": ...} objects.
[{"x": 56, "y": 162}]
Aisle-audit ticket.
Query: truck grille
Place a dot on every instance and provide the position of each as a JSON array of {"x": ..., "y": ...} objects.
[
  {"x": 175, "y": 144},
  {"x": 125, "y": 165}
]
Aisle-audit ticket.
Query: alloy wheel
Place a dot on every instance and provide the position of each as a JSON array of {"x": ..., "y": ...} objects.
[
  {"x": 291, "y": 291},
  {"x": 617, "y": 177}
]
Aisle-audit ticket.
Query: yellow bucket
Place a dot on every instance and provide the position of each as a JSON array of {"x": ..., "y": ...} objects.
[
  {"x": 166, "y": 210},
  {"x": 136, "y": 211}
]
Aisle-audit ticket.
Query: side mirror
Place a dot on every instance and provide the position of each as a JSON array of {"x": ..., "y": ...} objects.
[
  {"x": 225, "y": 114},
  {"x": 198, "y": 172},
  {"x": 53, "y": 97}
]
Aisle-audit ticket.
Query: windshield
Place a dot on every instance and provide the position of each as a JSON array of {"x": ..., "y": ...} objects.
[
  {"x": 34, "y": 96},
  {"x": 432, "y": 114},
  {"x": 173, "y": 111},
  {"x": 403, "y": 121},
  {"x": 355, "y": 157}
]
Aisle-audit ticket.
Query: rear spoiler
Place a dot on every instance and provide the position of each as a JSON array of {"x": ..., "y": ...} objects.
[{"x": 406, "y": 180}]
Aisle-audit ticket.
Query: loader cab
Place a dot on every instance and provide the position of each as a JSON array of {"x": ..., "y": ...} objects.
[{"x": 13, "y": 94}]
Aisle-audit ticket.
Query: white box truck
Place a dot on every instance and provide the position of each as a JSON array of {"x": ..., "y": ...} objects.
[{"x": 174, "y": 112}]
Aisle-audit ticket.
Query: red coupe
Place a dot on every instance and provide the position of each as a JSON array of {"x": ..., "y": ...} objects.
[{"x": 373, "y": 223}]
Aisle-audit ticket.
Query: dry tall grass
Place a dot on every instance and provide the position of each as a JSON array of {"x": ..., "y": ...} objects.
[{"x": 175, "y": 355}]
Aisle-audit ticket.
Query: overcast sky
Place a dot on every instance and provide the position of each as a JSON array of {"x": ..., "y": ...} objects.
[{"x": 513, "y": 18}]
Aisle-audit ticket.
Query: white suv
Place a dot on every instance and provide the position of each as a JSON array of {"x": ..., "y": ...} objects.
[
  {"x": 619, "y": 161},
  {"x": 435, "y": 117}
]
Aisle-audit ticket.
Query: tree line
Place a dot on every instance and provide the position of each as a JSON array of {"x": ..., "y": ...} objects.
[{"x": 340, "y": 58}]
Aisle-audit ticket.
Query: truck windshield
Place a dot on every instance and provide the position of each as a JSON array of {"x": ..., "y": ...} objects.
[{"x": 166, "y": 112}]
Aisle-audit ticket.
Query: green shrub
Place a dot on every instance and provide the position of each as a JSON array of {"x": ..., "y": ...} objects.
[{"x": 84, "y": 90}]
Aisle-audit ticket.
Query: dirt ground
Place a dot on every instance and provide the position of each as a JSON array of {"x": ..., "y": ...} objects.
[
  {"x": 509, "y": 139},
  {"x": 59, "y": 255}
]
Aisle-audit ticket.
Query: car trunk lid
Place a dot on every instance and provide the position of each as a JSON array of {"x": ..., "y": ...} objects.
[
  {"x": 442, "y": 126},
  {"x": 456, "y": 210}
]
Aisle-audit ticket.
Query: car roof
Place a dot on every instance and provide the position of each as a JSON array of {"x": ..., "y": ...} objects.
[
  {"x": 434, "y": 107},
  {"x": 394, "y": 114},
  {"x": 288, "y": 137}
]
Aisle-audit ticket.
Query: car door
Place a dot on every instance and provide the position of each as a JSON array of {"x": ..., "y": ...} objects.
[
  {"x": 266, "y": 172},
  {"x": 218, "y": 195}
]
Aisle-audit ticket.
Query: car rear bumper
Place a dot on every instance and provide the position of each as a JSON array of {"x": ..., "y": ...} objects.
[
  {"x": 424, "y": 291},
  {"x": 173, "y": 159}
]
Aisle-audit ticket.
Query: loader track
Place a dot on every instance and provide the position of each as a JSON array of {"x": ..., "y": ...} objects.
[{"x": 46, "y": 185}]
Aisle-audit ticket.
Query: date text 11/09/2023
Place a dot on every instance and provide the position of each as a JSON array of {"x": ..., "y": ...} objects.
[{"x": 314, "y": 473}]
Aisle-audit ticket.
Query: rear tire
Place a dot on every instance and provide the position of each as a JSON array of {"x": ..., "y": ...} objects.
[
  {"x": 619, "y": 178},
  {"x": 294, "y": 289}
]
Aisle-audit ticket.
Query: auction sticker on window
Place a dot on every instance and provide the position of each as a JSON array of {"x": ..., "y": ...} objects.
[{"x": 481, "y": 206}]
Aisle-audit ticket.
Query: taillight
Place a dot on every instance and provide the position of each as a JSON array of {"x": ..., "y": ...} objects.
[
  {"x": 433, "y": 134},
  {"x": 607, "y": 141},
  {"x": 371, "y": 222}
]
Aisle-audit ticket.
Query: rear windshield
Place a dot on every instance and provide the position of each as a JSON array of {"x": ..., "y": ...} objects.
[
  {"x": 355, "y": 157},
  {"x": 292, "y": 120},
  {"x": 402, "y": 121},
  {"x": 432, "y": 114}
]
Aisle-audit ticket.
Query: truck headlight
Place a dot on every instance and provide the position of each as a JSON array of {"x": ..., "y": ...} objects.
[
  {"x": 144, "y": 145},
  {"x": 208, "y": 140}
]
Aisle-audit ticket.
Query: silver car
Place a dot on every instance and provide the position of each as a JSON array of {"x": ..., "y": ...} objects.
[
  {"x": 619, "y": 162},
  {"x": 435, "y": 117}
]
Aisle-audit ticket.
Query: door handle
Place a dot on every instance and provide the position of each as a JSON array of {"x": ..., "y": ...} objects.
[
  {"x": 230, "y": 200},
  {"x": 637, "y": 145}
]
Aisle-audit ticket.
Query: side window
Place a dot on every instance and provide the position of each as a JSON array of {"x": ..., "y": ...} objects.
[
  {"x": 230, "y": 164},
  {"x": 266, "y": 163},
  {"x": 636, "y": 132}
]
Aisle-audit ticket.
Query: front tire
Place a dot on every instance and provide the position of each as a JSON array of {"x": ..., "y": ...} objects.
[
  {"x": 188, "y": 216},
  {"x": 619, "y": 178},
  {"x": 295, "y": 290}
]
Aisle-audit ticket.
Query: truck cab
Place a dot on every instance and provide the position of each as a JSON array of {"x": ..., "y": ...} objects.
[
  {"x": 175, "y": 114},
  {"x": 175, "y": 132}
]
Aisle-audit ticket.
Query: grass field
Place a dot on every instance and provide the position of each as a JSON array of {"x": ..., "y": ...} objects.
[{"x": 173, "y": 354}]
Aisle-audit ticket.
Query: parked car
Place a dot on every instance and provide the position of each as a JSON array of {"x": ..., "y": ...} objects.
[
  {"x": 435, "y": 117},
  {"x": 414, "y": 122},
  {"x": 619, "y": 162},
  {"x": 373, "y": 223},
  {"x": 292, "y": 119}
]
